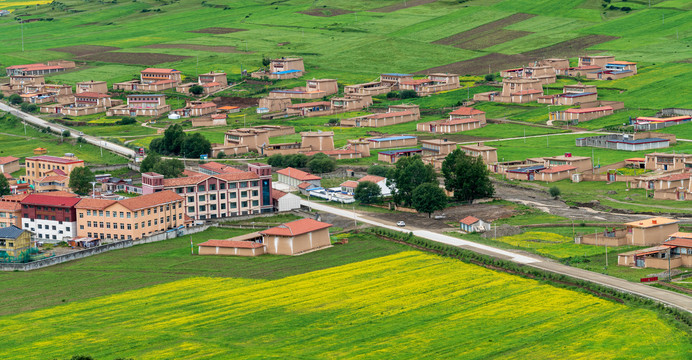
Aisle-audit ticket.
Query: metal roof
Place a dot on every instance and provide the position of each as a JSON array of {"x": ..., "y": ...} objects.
[
  {"x": 402, "y": 151},
  {"x": 393, "y": 138},
  {"x": 397, "y": 74},
  {"x": 286, "y": 72},
  {"x": 10, "y": 232}
]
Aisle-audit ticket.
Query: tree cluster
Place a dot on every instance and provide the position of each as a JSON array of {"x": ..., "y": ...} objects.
[
  {"x": 318, "y": 163},
  {"x": 415, "y": 184},
  {"x": 367, "y": 192},
  {"x": 176, "y": 142},
  {"x": 81, "y": 179},
  {"x": 169, "y": 168},
  {"x": 466, "y": 176}
]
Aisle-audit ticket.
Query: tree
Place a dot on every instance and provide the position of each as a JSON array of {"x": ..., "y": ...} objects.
[
  {"x": 221, "y": 155},
  {"x": 173, "y": 139},
  {"x": 428, "y": 198},
  {"x": 321, "y": 163},
  {"x": 80, "y": 179},
  {"x": 367, "y": 192},
  {"x": 276, "y": 160},
  {"x": 466, "y": 176},
  {"x": 66, "y": 133},
  {"x": 127, "y": 120},
  {"x": 379, "y": 170},
  {"x": 170, "y": 168},
  {"x": 554, "y": 191},
  {"x": 4, "y": 186},
  {"x": 296, "y": 160},
  {"x": 408, "y": 94},
  {"x": 150, "y": 162},
  {"x": 28, "y": 107},
  {"x": 266, "y": 61},
  {"x": 408, "y": 174},
  {"x": 489, "y": 77},
  {"x": 195, "y": 145},
  {"x": 156, "y": 145},
  {"x": 196, "y": 89},
  {"x": 15, "y": 99}
]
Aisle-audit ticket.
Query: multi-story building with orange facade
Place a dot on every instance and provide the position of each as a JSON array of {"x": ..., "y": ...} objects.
[
  {"x": 40, "y": 167},
  {"x": 132, "y": 218}
]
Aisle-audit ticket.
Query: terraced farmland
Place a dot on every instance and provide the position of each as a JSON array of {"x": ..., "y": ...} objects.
[{"x": 406, "y": 305}]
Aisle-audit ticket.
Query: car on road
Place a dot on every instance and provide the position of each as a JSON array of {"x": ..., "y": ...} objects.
[{"x": 400, "y": 223}]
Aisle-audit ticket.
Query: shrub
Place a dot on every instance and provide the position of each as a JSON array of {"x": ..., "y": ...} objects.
[
  {"x": 554, "y": 191},
  {"x": 126, "y": 121},
  {"x": 221, "y": 155},
  {"x": 392, "y": 95},
  {"x": 408, "y": 94},
  {"x": 196, "y": 89},
  {"x": 27, "y": 107},
  {"x": 15, "y": 99},
  {"x": 490, "y": 77}
]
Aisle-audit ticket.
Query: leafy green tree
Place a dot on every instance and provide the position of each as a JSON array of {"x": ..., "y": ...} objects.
[
  {"x": 379, "y": 170},
  {"x": 408, "y": 94},
  {"x": 196, "y": 89},
  {"x": 296, "y": 160},
  {"x": 4, "y": 186},
  {"x": 428, "y": 198},
  {"x": 156, "y": 146},
  {"x": 66, "y": 133},
  {"x": 173, "y": 139},
  {"x": 28, "y": 107},
  {"x": 321, "y": 163},
  {"x": 80, "y": 179},
  {"x": 367, "y": 192},
  {"x": 466, "y": 176},
  {"x": 195, "y": 145},
  {"x": 276, "y": 160},
  {"x": 127, "y": 120},
  {"x": 489, "y": 77},
  {"x": 170, "y": 168},
  {"x": 221, "y": 155},
  {"x": 150, "y": 162},
  {"x": 408, "y": 174},
  {"x": 266, "y": 61},
  {"x": 554, "y": 191},
  {"x": 15, "y": 99}
]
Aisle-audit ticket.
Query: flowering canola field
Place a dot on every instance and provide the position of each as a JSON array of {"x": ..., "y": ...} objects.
[
  {"x": 407, "y": 305},
  {"x": 9, "y": 4}
]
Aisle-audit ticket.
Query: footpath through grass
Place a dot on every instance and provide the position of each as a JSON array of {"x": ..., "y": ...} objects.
[
  {"x": 406, "y": 305},
  {"x": 145, "y": 265}
]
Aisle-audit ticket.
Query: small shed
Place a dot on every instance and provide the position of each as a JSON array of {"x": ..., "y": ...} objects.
[{"x": 473, "y": 224}]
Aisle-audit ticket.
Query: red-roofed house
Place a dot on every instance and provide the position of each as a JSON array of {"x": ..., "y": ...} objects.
[
  {"x": 10, "y": 214},
  {"x": 233, "y": 247},
  {"x": 39, "y": 69},
  {"x": 472, "y": 224},
  {"x": 151, "y": 80},
  {"x": 574, "y": 116},
  {"x": 297, "y": 237},
  {"x": 434, "y": 83},
  {"x": 349, "y": 187},
  {"x": 556, "y": 173},
  {"x": 294, "y": 177},
  {"x": 285, "y": 201},
  {"x": 674, "y": 252},
  {"x": 50, "y": 218},
  {"x": 9, "y": 164}
]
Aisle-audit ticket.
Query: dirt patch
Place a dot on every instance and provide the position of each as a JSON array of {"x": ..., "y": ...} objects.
[
  {"x": 495, "y": 62},
  {"x": 216, "y": 30},
  {"x": 283, "y": 43},
  {"x": 133, "y": 58},
  {"x": 236, "y": 101},
  {"x": 486, "y": 212},
  {"x": 220, "y": 49},
  {"x": 325, "y": 12},
  {"x": 483, "y": 30},
  {"x": 87, "y": 24},
  {"x": 402, "y": 5},
  {"x": 82, "y": 50},
  {"x": 492, "y": 38}
]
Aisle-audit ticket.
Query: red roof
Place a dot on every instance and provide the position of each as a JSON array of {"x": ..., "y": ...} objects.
[
  {"x": 232, "y": 244},
  {"x": 10, "y": 206},
  {"x": 237, "y": 176},
  {"x": 305, "y": 185},
  {"x": 297, "y": 227},
  {"x": 7, "y": 159},
  {"x": 181, "y": 181},
  {"x": 150, "y": 200},
  {"x": 683, "y": 242},
  {"x": 94, "y": 204},
  {"x": 210, "y": 84},
  {"x": 675, "y": 177},
  {"x": 466, "y": 111},
  {"x": 34, "y": 67},
  {"x": 160, "y": 71},
  {"x": 559, "y": 168},
  {"x": 415, "y": 82},
  {"x": 588, "y": 110},
  {"x": 469, "y": 220},
  {"x": 349, "y": 184},
  {"x": 54, "y": 159},
  {"x": 56, "y": 178},
  {"x": 371, "y": 178},
  {"x": 39, "y": 199},
  {"x": 277, "y": 194},
  {"x": 220, "y": 168},
  {"x": 297, "y": 174},
  {"x": 390, "y": 114},
  {"x": 459, "y": 121}
]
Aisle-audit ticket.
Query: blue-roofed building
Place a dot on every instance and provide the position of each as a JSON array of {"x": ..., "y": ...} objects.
[
  {"x": 392, "y": 156},
  {"x": 627, "y": 142},
  {"x": 614, "y": 70},
  {"x": 282, "y": 68},
  {"x": 387, "y": 142},
  {"x": 13, "y": 241}
]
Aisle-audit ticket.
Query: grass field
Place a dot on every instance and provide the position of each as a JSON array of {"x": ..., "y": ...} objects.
[{"x": 399, "y": 306}]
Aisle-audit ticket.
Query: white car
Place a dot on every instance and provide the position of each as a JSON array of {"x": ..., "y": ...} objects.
[{"x": 400, "y": 223}]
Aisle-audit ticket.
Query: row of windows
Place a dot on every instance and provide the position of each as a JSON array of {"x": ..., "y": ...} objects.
[
  {"x": 222, "y": 206},
  {"x": 46, "y": 217},
  {"x": 100, "y": 224},
  {"x": 47, "y": 227},
  {"x": 222, "y": 196},
  {"x": 128, "y": 214},
  {"x": 212, "y": 187},
  {"x": 108, "y": 236},
  {"x": 46, "y": 208},
  {"x": 32, "y": 164}
]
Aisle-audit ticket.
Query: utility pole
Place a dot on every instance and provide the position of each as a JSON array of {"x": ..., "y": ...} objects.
[
  {"x": 93, "y": 192},
  {"x": 668, "y": 264}
]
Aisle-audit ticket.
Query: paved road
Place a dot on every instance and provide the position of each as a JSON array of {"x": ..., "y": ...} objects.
[
  {"x": 677, "y": 300},
  {"x": 118, "y": 149}
]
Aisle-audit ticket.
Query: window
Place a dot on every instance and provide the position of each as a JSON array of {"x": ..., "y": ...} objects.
[
  {"x": 122, "y": 214},
  {"x": 108, "y": 225},
  {"x": 223, "y": 196},
  {"x": 136, "y": 226},
  {"x": 81, "y": 215},
  {"x": 81, "y": 227},
  {"x": 148, "y": 212},
  {"x": 200, "y": 188},
  {"x": 54, "y": 228},
  {"x": 40, "y": 226},
  {"x": 156, "y": 222},
  {"x": 255, "y": 203},
  {"x": 100, "y": 212},
  {"x": 53, "y": 218},
  {"x": 190, "y": 199},
  {"x": 178, "y": 190},
  {"x": 88, "y": 223},
  {"x": 149, "y": 223},
  {"x": 255, "y": 183},
  {"x": 223, "y": 206},
  {"x": 243, "y": 194},
  {"x": 154, "y": 210},
  {"x": 244, "y": 204},
  {"x": 233, "y": 205},
  {"x": 212, "y": 197},
  {"x": 190, "y": 189},
  {"x": 101, "y": 224},
  {"x": 212, "y": 207},
  {"x": 255, "y": 192},
  {"x": 67, "y": 229},
  {"x": 243, "y": 184},
  {"x": 88, "y": 212},
  {"x": 231, "y": 185},
  {"x": 108, "y": 214},
  {"x": 222, "y": 186},
  {"x": 201, "y": 198},
  {"x": 129, "y": 214},
  {"x": 190, "y": 209},
  {"x": 180, "y": 216},
  {"x": 232, "y": 195},
  {"x": 202, "y": 208},
  {"x": 89, "y": 234},
  {"x": 129, "y": 226},
  {"x": 160, "y": 209},
  {"x": 122, "y": 226},
  {"x": 212, "y": 187}
]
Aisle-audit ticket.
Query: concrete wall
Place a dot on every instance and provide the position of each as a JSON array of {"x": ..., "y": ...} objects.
[{"x": 653, "y": 235}]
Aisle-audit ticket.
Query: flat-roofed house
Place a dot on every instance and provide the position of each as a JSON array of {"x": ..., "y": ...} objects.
[
  {"x": 556, "y": 63},
  {"x": 282, "y": 68},
  {"x": 556, "y": 173},
  {"x": 234, "y": 247},
  {"x": 85, "y": 103},
  {"x": 9, "y": 164},
  {"x": 141, "y": 105},
  {"x": 614, "y": 70},
  {"x": 100, "y": 87},
  {"x": 210, "y": 82},
  {"x": 35, "y": 69},
  {"x": 152, "y": 79},
  {"x": 575, "y": 116},
  {"x": 545, "y": 74},
  {"x": 595, "y": 60},
  {"x": 297, "y": 237},
  {"x": 392, "y": 156},
  {"x": 387, "y": 82},
  {"x": 514, "y": 90},
  {"x": 437, "y": 147},
  {"x": 651, "y": 231},
  {"x": 582, "y": 163},
  {"x": 388, "y": 142},
  {"x": 196, "y": 109},
  {"x": 434, "y": 83},
  {"x": 314, "y": 89},
  {"x": 666, "y": 161},
  {"x": 396, "y": 114},
  {"x": 674, "y": 252},
  {"x": 487, "y": 153}
]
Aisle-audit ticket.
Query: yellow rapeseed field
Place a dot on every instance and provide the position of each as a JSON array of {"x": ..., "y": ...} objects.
[
  {"x": 18, "y": 4},
  {"x": 407, "y": 305}
]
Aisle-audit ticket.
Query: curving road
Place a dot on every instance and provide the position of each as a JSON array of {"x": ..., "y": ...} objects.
[
  {"x": 680, "y": 301},
  {"x": 31, "y": 119}
]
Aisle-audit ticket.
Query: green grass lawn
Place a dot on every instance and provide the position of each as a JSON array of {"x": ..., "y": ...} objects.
[
  {"x": 404, "y": 305},
  {"x": 682, "y": 131},
  {"x": 145, "y": 265}
]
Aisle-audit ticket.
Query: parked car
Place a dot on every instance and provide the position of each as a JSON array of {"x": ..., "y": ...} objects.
[
  {"x": 442, "y": 216},
  {"x": 400, "y": 223}
]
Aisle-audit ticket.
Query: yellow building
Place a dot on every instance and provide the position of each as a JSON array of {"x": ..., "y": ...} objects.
[{"x": 14, "y": 240}]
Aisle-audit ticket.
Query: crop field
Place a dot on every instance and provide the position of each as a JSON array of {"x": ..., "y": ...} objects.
[
  {"x": 10, "y": 4},
  {"x": 450, "y": 310}
]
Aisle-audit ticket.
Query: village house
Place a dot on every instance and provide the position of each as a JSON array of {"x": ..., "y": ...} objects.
[
  {"x": 297, "y": 237},
  {"x": 614, "y": 70},
  {"x": 40, "y": 167},
  {"x": 437, "y": 147},
  {"x": 396, "y": 114},
  {"x": 387, "y": 82},
  {"x": 666, "y": 161},
  {"x": 434, "y": 83},
  {"x": 556, "y": 173},
  {"x": 582, "y": 163},
  {"x": 556, "y": 63},
  {"x": 314, "y": 89},
  {"x": 571, "y": 95},
  {"x": 243, "y": 245},
  {"x": 85, "y": 103},
  {"x": 284, "y": 201},
  {"x": 487, "y": 153},
  {"x": 51, "y": 218},
  {"x": 152, "y": 80},
  {"x": 256, "y": 138},
  {"x": 645, "y": 123},
  {"x": 628, "y": 142},
  {"x": 19, "y": 82},
  {"x": 349, "y": 186},
  {"x": 196, "y": 109},
  {"x": 651, "y": 231},
  {"x": 334, "y": 106},
  {"x": 10, "y": 214},
  {"x": 514, "y": 90},
  {"x": 232, "y": 193},
  {"x": 389, "y": 142},
  {"x": 273, "y": 104},
  {"x": 461, "y": 119},
  {"x": 210, "y": 82},
  {"x": 131, "y": 218},
  {"x": 9, "y": 164},
  {"x": 141, "y": 105},
  {"x": 575, "y": 116},
  {"x": 294, "y": 177},
  {"x": 671, "y": 187},
  {"x": 392, "y": 156},
  {"x": 100, "y": 87},
  {"x": 587, "y": 64},
  {"x": 40, "y": 69},
  {"x": 545, "y": 74},
  {"x": 282, "y": 68},
  {"x": 675, "y": 252},
  {"x": 13, "y": 241},
  {"x": 211, "y": 120},
  {"x": 471, "y": 224}
]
